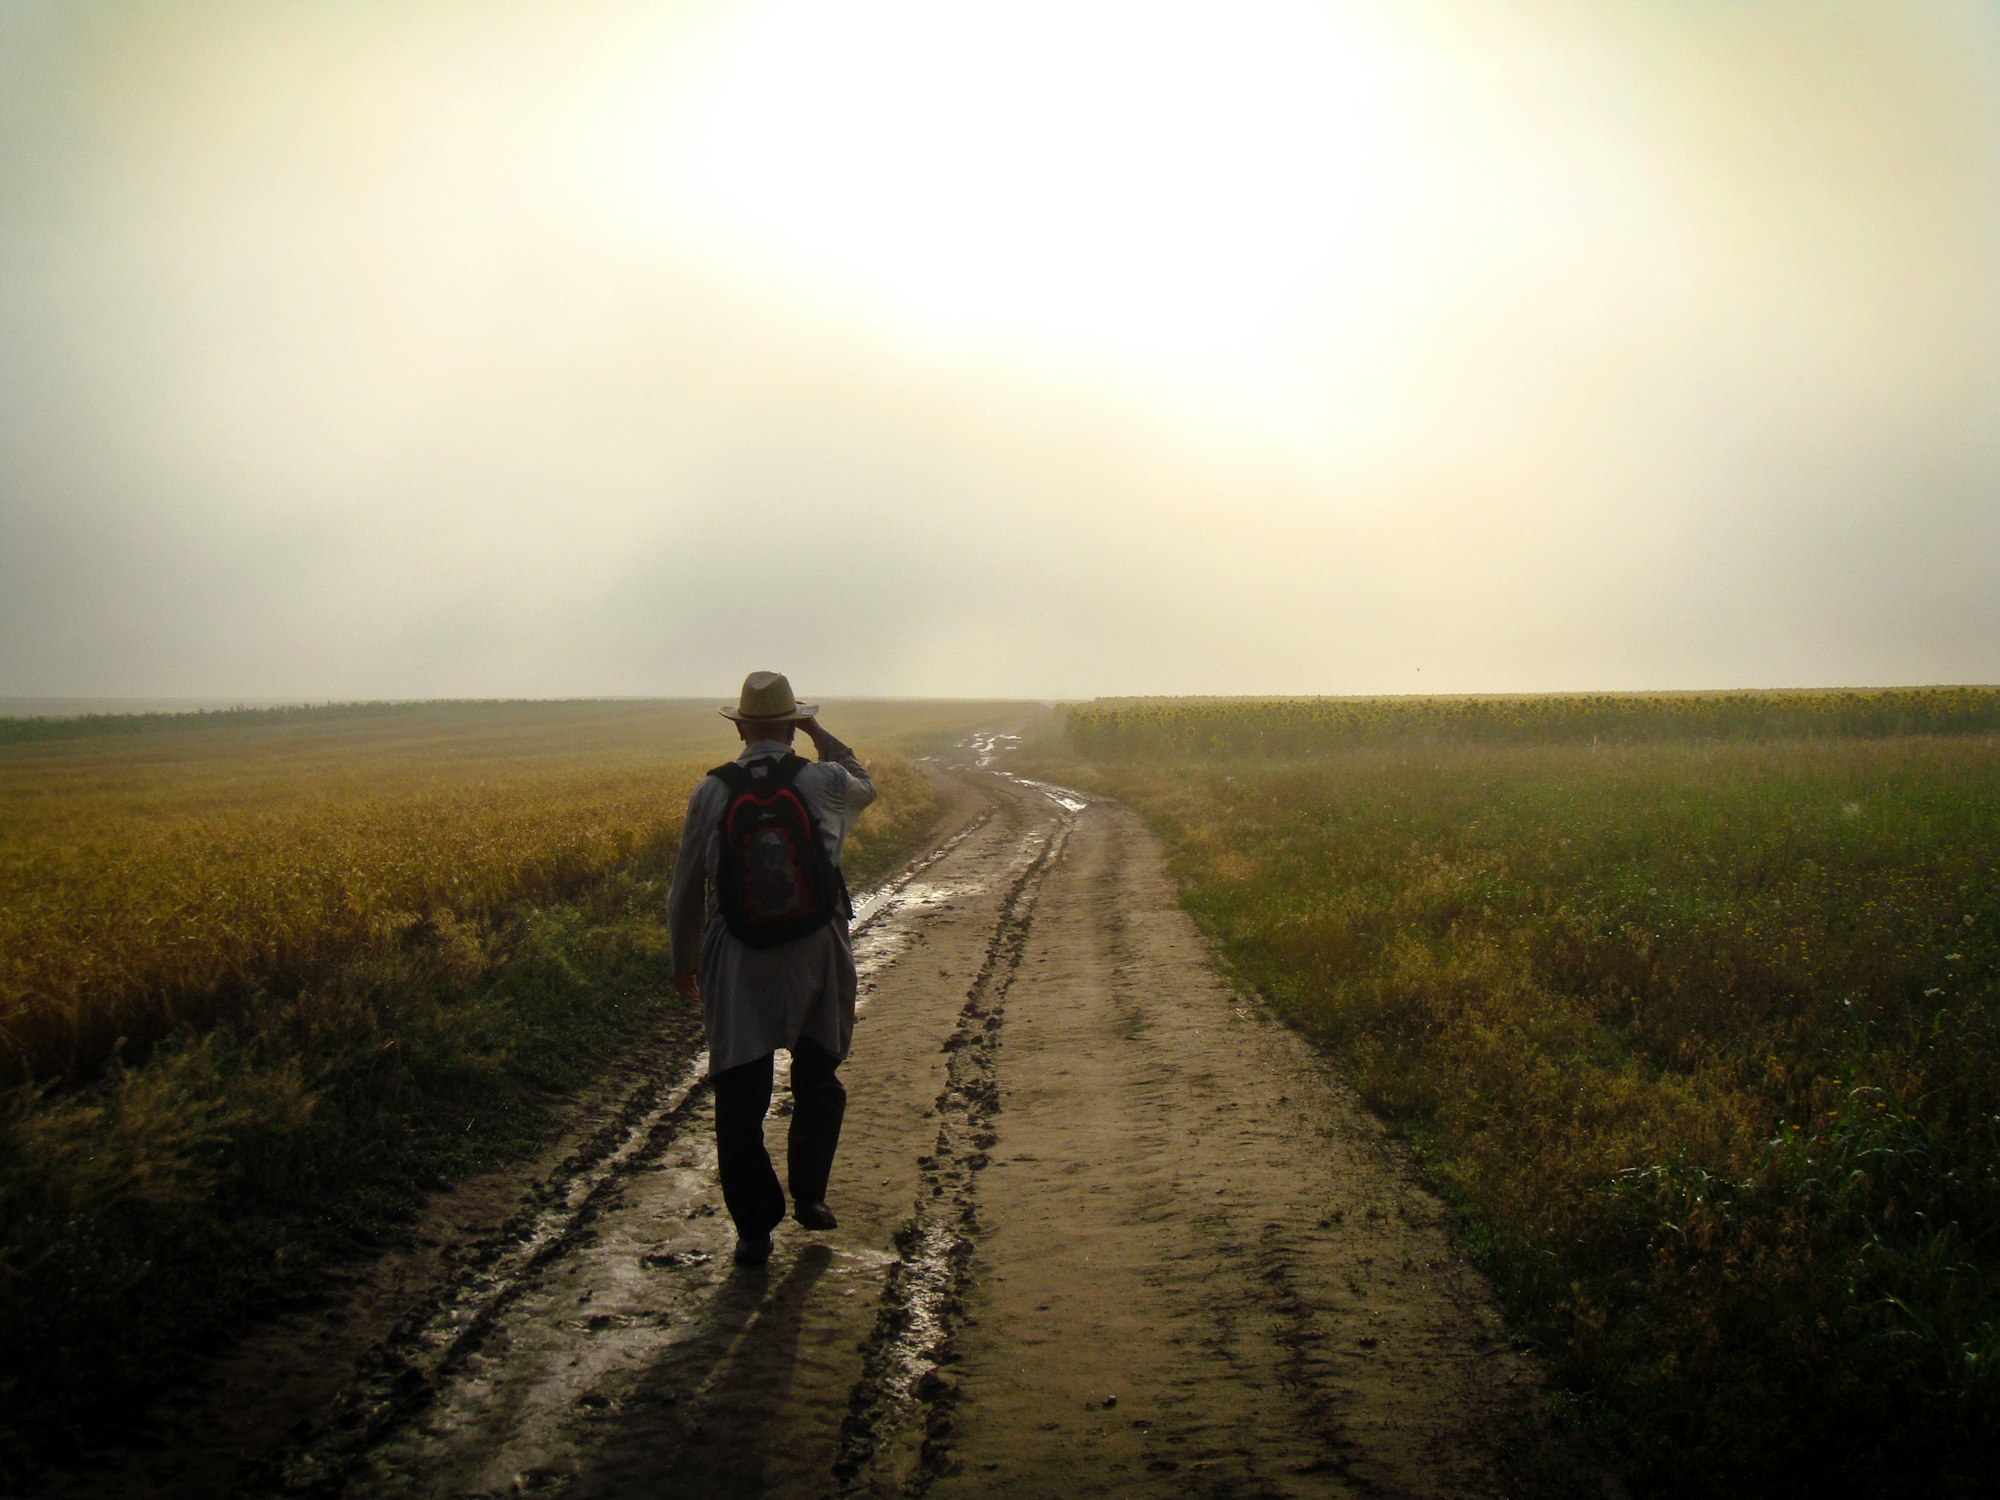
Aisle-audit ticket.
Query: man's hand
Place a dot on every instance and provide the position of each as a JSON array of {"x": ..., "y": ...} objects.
[
  {"x": 688, "y": 986},
  {"x": 820, "y": 738}
]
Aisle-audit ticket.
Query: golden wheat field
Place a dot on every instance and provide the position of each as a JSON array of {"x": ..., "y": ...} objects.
[
  {"x": 268, "y": 976},
  {"x": 159, "y": 877}
]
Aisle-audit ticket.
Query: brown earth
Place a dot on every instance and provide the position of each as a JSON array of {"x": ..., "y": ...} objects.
[{"x": 1105, "y": 1229}]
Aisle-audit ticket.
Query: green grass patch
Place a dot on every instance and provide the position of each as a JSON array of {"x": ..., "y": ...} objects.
[{"x": 1703, "y": 1038}]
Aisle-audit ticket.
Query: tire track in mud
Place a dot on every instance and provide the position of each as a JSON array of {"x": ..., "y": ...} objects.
[
  {"x": 1203, "y": 1269},
  {"x": 902, "y": 1382},
  {"x": 402, "y": 1377},
  {"x": 404, "y": 1374}
]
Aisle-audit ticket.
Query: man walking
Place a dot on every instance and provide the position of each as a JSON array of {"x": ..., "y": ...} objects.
[{"x": 759, "y": 919}]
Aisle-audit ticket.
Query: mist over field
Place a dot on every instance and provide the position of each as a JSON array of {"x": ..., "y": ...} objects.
[
  {"x": 453, "y": 349},
  {"x": 1519, "y": 481}
]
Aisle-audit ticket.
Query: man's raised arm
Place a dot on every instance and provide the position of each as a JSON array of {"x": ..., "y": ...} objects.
[{"x": 860, "y": 789}]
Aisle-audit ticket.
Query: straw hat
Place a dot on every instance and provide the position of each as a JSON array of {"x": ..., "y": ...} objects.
[{"x": 767, "y": 697}]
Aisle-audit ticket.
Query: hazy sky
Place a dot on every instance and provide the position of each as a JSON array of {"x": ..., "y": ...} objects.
[{"x": 415, "y": 348}]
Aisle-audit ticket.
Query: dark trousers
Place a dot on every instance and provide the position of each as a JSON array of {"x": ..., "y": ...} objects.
[{"x": 742, "y": 1096}]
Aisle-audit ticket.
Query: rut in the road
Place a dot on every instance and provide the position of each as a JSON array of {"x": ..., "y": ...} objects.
[
  {"x": 402, "y": 1376},
  {"x": 924, "y": 1292},
  {"x": 429, "y": 1346}
]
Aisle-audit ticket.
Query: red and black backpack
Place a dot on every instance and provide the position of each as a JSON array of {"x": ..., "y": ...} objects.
[{"x": 773, "y": 879}]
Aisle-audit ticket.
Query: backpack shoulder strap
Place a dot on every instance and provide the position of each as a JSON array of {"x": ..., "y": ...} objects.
[{"x": 735, "y": 775}]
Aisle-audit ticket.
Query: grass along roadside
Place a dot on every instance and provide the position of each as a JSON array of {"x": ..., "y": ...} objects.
[
  {"x": 291, "y": 1116},
  {"x": 1703, "y": 1038},
  {"x": 154, "y": 1211}
]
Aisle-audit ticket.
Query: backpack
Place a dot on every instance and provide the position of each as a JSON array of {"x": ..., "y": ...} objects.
[{"x": 773, "y": 880}]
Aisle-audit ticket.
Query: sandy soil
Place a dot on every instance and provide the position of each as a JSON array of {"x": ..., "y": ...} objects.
[{"x": 1105, "y": 1230}]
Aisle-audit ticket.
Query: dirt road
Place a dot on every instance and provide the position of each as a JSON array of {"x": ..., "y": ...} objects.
[{"x": 1104, "y": 1230}]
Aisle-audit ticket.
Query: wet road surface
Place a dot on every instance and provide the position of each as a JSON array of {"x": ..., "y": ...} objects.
[{"x": 1105, "y": 1229}]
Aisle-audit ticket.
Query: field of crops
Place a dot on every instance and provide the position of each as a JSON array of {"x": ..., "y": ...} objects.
[
  {"x": 166, "y": 875},
  {"x": 263, "y": 975},
  {"x": 1198, "y": 727},
  {"x": 1701, "y": 1029}
]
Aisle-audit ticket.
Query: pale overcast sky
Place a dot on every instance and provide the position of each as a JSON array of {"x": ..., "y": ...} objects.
[{"x": 397, "y": 348}]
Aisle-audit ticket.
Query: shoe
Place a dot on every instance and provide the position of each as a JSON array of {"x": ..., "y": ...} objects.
[
  {"x": 814, "y": 1214},
  {"x": 753, "y": 1249}
]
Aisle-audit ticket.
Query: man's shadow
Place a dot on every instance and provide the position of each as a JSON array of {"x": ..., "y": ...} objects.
[{"x": 704, "y": 1419}]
